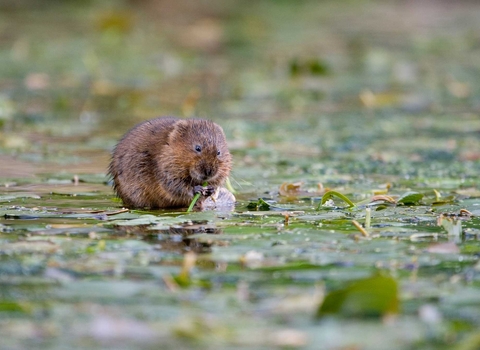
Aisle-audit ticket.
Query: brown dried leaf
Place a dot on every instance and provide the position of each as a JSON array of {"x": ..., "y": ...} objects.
[
  {"x": 289, "y": 189},
  {"x": 382, "y": 197}
]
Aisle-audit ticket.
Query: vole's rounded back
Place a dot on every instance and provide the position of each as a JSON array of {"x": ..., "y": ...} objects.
[{"x": 158, "y": 163}]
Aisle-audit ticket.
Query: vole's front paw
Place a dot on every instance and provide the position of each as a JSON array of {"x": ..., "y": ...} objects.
[{"x": 206, "y": 191}]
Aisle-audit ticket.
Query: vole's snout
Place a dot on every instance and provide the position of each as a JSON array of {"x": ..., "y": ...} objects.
[
  {"x": 209, "y": 172},
  {"x": 206, "y": 171}
]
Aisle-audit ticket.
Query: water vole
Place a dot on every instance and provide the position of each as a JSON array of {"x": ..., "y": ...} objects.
[{"x": 163, "y": 162}]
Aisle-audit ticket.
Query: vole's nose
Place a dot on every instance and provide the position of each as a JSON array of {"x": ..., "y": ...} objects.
[{"x": 208, "y": 171}]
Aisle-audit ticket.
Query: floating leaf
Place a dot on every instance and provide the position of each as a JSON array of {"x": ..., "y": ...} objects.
[
  {"x": 312, "y": 66},
  {"x": 12, "y": 306},
  {"x": 369, "y": 297},
  {"x": 318, "y": 67},
  {"x": 294, "y": 67},
  {"x": 13, "y": 196},
  {"x": 259, "y": 205},
  {"x": 410, "y": 198},
  {"x": 118, "y": 21},
  {"x": 294, "y": 266}
]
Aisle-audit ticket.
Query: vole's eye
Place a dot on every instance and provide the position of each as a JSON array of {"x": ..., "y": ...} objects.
[
  {"x": 218, "y": 153},
  {"x": 198, "y": 148}
]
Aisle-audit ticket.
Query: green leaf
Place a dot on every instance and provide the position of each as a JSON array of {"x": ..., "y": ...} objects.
[
  {"x": 258, "y": 205},
  {"x": 294, "y": 266},
  {"x": 330, "y": 194},
  {"x": 410, "y": 198},
  {"x": 370, "y": 297},
  {"x": 183, "y": 280},
  {"x": 318, "y": 67},
  {"x": 12, "y": 306}
]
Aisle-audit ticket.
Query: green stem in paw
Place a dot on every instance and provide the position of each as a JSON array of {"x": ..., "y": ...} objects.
[{"x": 195, "y": 199}]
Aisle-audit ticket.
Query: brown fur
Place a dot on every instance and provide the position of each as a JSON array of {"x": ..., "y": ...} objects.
[{"x": 156, "y": 165}]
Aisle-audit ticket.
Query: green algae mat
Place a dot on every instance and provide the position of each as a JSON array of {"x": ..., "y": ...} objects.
[{"x": 355, "y": 132}]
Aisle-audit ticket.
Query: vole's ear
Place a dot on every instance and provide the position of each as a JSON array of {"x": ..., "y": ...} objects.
[
  {"x": 179, "y": 130},
  {"x": 181, "y": 126}
]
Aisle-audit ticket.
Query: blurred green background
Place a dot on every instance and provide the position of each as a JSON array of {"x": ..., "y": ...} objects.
[{"x": 86, "y": 71}]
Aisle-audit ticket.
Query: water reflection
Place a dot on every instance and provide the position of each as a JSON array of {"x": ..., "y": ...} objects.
[{"x": 177, "y": 237}]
